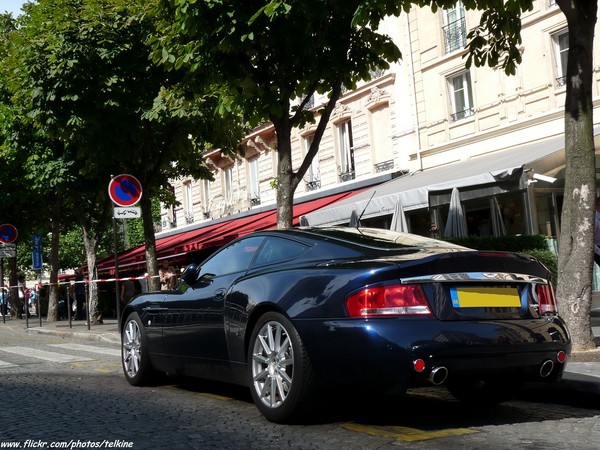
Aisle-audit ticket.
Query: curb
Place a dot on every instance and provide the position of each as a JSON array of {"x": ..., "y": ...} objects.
[{"x": 109, "y": 336}]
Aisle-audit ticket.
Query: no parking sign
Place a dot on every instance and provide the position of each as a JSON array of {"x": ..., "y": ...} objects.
[
  {"x": 8, "y": 233},
  {"x": 125, "y": 190}
]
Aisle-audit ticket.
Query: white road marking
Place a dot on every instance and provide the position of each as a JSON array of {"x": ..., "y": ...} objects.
[
  {"x": 5, "y": 364},
  {"x": 89, "y": 348},
  {"x": 44, "y": 355}
]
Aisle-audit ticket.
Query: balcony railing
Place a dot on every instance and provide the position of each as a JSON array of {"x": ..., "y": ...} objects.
[
  {"x": 347, "y": 176},
  {"x": 462, "y": 114},
  {"x": 383, "y": 166},
  {"x": 255, "y": 200},
  {"x": 313, "y": 185},
  {"x": 455, "y": 35}
]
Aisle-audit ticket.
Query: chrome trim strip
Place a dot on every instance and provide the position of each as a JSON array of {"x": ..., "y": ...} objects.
[{"x": 474, "y": 277}]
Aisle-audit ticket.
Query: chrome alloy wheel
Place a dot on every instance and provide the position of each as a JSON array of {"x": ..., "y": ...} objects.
[
  {"x": 272, "y": 364},
  {"x": 132, "y": 349}
]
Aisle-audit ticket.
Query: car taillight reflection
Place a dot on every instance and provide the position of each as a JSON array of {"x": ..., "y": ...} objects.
[{"x": 393, "y": 300}]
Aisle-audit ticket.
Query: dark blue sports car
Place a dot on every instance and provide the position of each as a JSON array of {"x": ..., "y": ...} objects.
[{"x": 290, "y": 313}]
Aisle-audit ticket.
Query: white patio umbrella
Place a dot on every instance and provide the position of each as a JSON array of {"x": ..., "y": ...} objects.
[
  {"x": 399, "y": 222},
  {"x": 497, "y": 219},
  {"x": 456, "y": 225},
  {"x": 354, "y": 222}
]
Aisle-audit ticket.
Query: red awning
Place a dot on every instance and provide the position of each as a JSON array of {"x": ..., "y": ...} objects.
[{"x": 210, "y": 234}]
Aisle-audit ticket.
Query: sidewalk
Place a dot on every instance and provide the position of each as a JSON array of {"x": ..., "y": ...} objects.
[
  {"x": 107, "y": 332},
  {"x": 582, "y": 373}
]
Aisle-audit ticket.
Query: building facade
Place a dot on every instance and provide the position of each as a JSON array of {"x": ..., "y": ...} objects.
[{"x": 417, "y": 131}]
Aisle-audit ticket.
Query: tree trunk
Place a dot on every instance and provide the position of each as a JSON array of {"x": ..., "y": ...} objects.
[
  {"x": 150, "y": 241},
  {"x": 576, "y": 243},
  {"x": 286, "y": 184},
  {"x": 53, "y": 296},
  {"x": 89, "y": 242}
]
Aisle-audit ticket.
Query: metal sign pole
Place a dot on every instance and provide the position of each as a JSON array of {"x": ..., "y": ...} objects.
[
  {"x": 4, "y": 305},
  {"x": 116, "y": 269},
  {"x": 125, "y": 191}
]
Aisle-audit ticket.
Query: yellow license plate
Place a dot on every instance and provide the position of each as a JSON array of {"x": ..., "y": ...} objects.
[{"x": 485, "y": 297}]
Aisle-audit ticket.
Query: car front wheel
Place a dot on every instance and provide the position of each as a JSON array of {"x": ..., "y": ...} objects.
[
  {"x": 282, "y": 378},
  {"x": 134, "y": 351}
]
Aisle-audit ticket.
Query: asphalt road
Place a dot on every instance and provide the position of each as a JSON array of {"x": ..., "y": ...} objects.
[{"x": 58, "y": 391}]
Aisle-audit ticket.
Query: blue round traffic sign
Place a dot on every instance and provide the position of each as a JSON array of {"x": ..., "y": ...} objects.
[
  {"x": 8, "y": 233},
  {"x": 125, "y": 190}
]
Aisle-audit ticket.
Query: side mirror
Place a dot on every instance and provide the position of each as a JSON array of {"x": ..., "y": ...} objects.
[{"x": 190, "y": 274}]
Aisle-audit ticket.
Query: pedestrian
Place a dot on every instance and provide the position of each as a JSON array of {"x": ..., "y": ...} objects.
[
  {"x": 32, "y": 300},
  {"x": 166, "y": 275},
  {"x": 22, "y": 297},
  {"x": 3, "y": 301},
  {"x": 127, "y": 291},
  {"x": 79, "y": 294}
]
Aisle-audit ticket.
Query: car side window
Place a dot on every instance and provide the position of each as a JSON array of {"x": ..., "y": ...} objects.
[
  {"x": 277, "y": 250},
  {"x": 233, "y": 258}
]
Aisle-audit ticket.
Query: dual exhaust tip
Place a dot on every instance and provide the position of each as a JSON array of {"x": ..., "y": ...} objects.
[{"x": 439, "y": 374}]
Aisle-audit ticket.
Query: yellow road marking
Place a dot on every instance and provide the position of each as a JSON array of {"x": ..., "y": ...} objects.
[{"x": 406, "y": 434}]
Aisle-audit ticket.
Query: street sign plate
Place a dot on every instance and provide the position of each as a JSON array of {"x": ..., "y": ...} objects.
[
  {"x": 132, "y": 212},
  {"x": 8, "y": 250}
]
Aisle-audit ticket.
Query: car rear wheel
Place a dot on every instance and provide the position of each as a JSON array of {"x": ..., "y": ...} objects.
[
  {"x": 282, "y": 379},
  {"x": 134, "y": 352}
]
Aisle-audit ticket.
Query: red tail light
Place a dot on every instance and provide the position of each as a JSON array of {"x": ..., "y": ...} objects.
[
  {"x": 546, "y": 300},
  {"x": 395, "y": 300}
]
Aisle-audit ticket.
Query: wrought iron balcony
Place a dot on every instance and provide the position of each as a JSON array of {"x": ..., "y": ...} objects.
[
  {"x": 383, "y": 166},
  {"x": 455, "y": 35},
  {"x": 462, "y": 114},
  {"x": 347, "y": 176},
  {"x": 313, "y": 185}
]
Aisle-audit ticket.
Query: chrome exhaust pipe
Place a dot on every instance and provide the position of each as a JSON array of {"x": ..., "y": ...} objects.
[
  {"x": 546, "y": 368},
  {"x": 438, "y": 375}
]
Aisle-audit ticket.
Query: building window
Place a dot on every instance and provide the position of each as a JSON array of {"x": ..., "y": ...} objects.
[
  {"x": 254, "y": 186},
  {"x": 455, "y": 28},
  {"x": 171, "y": 218},
  {"x": 381, "y": 141},
  {"x": 188, "y": 202},
  {"x": 313, "y": 177},
  {"x": 561, "y": 54},
  {"x": 206, "y": 187},
  {"x": 310, "y": 103},
  {"x": 228, "y": 184},
  {"x": 461, "y": 96},
  {"x": 346, "y": 151}
]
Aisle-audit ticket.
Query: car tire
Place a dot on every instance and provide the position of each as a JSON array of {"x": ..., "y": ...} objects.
[
  {"x": 282, "y": 379},
  {"x": 134, "y": 352}
]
